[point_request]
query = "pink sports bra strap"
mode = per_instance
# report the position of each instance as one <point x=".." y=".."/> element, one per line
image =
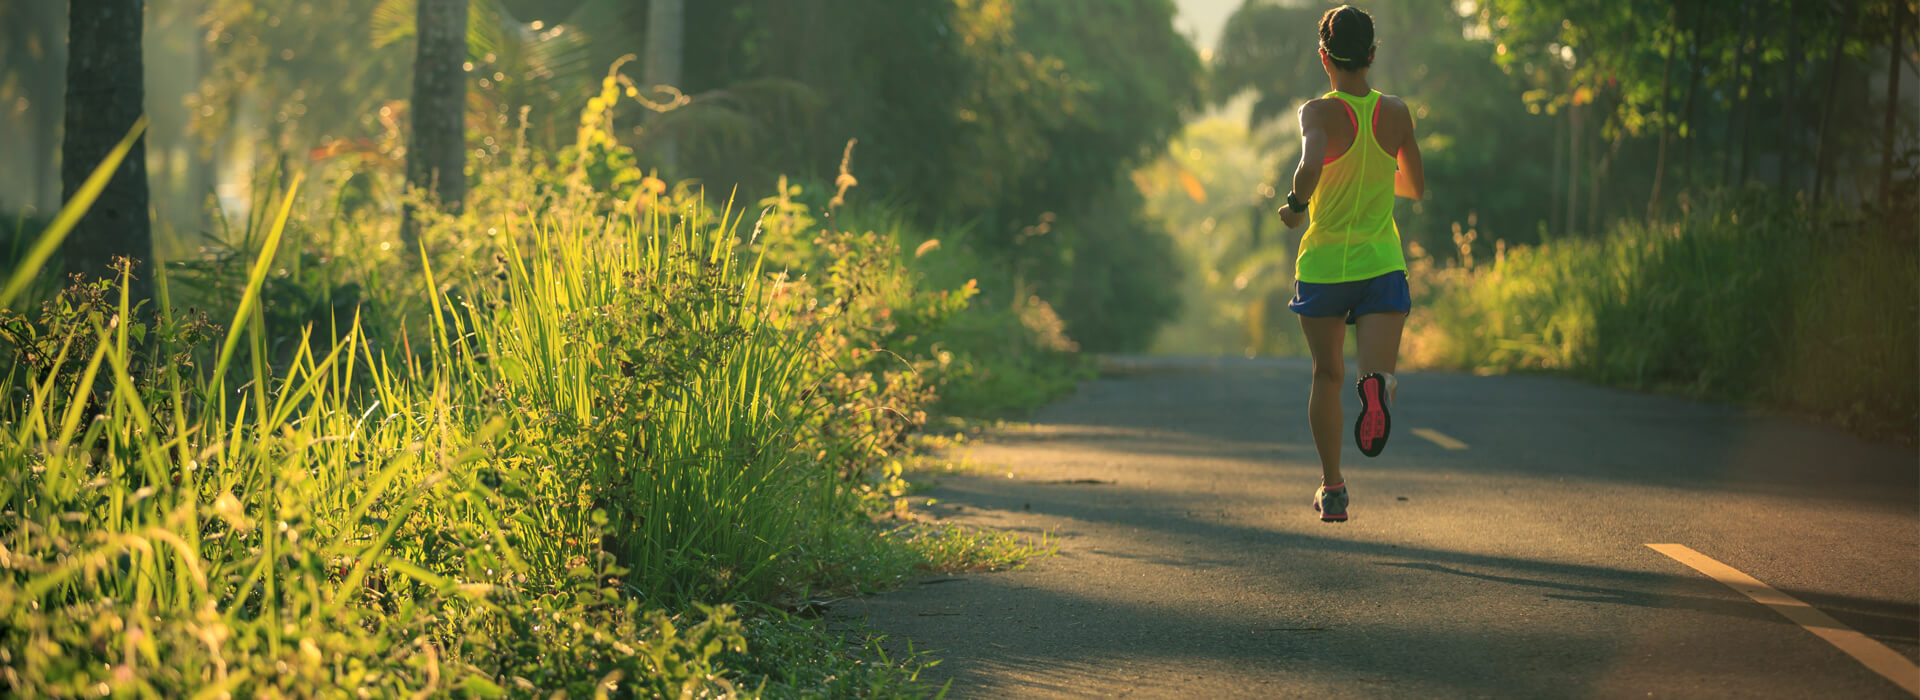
<point x="1356" y="127"/>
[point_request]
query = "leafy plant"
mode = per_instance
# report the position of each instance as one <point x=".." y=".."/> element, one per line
<point x="1750" y="300"/>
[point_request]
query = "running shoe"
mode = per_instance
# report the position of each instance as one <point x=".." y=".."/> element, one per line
<point x="1370" y="431"/>
<point x="1331" y="505"/>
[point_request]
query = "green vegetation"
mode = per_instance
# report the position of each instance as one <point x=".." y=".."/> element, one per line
<point x="1650" y="228"/>
<point x="1749" y="300"/>
<point x="633" y="392"/>
<point x="1016" y="121"/>
<point x="602" y="448"/>
<point x="1235" y="286"/>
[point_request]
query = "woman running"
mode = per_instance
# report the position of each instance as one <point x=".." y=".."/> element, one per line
<point x="1358" y="152"/>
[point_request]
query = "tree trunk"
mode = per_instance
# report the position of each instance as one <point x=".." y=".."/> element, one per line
<point x="1820" y="150"/>
<point x="1893" y="103"/>
<point x="437" y="152"/>
<point x="105" y="96"/>
<point x="1660" y="159"/>
<point x="1574" y="133"/>
<point x="666" y="27"/>
<point x="666" y="30"/>
<point x="1790" y="104"/>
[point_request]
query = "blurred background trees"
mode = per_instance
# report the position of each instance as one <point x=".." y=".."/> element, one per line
<point x="1020" y="120"/>
<point x="1542" y="119"/>
<point x="1562" y="116"/>
<point x="1036" y="126"/>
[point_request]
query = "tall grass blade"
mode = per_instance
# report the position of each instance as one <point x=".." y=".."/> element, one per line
<point x="250" y="297"/>
<point x="69" y="216"/>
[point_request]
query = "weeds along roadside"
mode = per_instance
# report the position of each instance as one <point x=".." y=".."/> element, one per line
<point x="1746" y="299"/>
<point x="540" y="479"/>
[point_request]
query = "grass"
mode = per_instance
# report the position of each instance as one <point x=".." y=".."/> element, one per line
<point x="1750" y="300"/>
<point x="1008" y="354"/>
<point x="610" y="461"/>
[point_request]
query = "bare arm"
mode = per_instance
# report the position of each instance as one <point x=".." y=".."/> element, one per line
<point x="1411" y="179"/>
<point x="1313" y="153"/>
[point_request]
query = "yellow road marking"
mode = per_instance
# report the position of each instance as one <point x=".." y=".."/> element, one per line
<point x="1876" y="656"/>
<point x="1435" y="437"/>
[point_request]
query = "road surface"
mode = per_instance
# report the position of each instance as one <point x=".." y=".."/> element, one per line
<point x="1502" y="550"/>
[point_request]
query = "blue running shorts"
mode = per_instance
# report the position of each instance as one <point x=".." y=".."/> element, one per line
<point x="1384" y="294"/>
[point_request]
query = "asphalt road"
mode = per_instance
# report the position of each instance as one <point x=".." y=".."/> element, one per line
<point x="1192" y="565"/>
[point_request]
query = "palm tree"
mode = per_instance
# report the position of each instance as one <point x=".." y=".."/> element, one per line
<point x="666" y="27"/>
<point x="437" y="150"/>
<point x="105" y="96"/>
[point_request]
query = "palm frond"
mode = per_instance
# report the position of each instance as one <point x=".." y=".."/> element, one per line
<point x="488" y="25"/>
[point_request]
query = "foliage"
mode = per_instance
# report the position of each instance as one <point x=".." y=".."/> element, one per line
<point x="335" y="97"/>
<point x="1270" y="50"/>
<point x="290" y="56"/>
<point x="1007" y="354"/>
<point x="599" y="436"/>
<point x="1540" y="119"/>
<point x="1750" y="300"/>
<point x="1780" y="87"/>
<point x="288" y="545"/>
<point x="795" y="656"/>
<point x="1208" y="191"/>
<point x="1039" y="107"/>
<point x="54" y="347"/>
<point x="17" y="231"/>
<point x="1134" y="78"/>
<point x="1113" y="277"/>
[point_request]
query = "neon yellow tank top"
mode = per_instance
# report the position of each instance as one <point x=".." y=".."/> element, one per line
<point x="1352" y="235"/>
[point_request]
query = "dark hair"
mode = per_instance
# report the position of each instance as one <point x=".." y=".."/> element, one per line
<point x="1346" y="33"/>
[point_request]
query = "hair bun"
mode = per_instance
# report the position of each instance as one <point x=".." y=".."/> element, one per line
<point x="1346" y="34"/>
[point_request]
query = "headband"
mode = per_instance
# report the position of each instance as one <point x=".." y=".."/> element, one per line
<point x="1337" y="57"/>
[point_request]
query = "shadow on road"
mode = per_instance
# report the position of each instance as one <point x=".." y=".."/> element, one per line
<point x="1531" y="425"/>
<point x="1186" y="559"/>
<point x="1885" y="620"/>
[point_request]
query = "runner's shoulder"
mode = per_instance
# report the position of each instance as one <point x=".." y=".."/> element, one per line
<point x="1319" y="108"/>
<point x="1396" y="107"/>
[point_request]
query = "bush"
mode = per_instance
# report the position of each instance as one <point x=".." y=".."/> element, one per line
<point x="1006" y="354"/>
<point x="554" y="459"/>
<point x="1751" y="300"/>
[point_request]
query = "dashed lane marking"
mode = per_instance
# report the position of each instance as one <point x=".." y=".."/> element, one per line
<point x="1876" y="656"/>
<point x="1437" y="438"/>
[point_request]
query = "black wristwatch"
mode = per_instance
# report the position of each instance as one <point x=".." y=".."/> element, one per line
<point x="1295" y="203"/>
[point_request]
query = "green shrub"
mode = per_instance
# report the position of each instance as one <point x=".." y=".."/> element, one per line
<point x="595" y="429"/>
<point x="1005" y="354"/>
<point x="1750" y="300"/>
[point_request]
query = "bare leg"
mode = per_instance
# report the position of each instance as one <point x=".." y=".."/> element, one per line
<point x="1327" y="340"/>
<point x="1380" y="343"/>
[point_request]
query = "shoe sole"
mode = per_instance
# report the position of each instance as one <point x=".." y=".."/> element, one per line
<point x="1370" y="431"/>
